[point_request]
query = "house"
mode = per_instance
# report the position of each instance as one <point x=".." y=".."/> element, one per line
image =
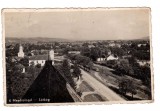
<point x="107" y="58"/>
<point x="139" y="45"/>
<point x="143" y="62"/>
<point x="41" y="59"/>
<point x="74" y="52"/>
<point x="91" y="46"/>
<point x="112" y="44"/>
<point x="38" y="59"/>
<point x="100" y="59"/>
<point x="112" y="57"/>
<point x="126" y="56"/>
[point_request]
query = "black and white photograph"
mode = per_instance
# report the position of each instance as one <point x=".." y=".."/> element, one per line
<point x="77" y="56"/>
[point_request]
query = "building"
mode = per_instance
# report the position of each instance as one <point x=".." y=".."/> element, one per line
<point x="139" y="45"/>
<point x="38" y="59"/>
<point x="107" y="58"/>
<point x="100" y="59"/>
<point x="41" y="59"/>
<point x="74" y="52"/>
<point x="143" y="62"/>
<point x="91" y="46"/>
<point x="112" y="57"/>
<point x="112" y="44"/>
<point x="21" y="53"/>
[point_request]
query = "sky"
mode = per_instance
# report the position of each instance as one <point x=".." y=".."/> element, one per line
<point x="78" y="24"/>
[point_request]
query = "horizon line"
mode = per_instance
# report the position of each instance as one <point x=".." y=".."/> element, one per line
<point x="147" y="37"/>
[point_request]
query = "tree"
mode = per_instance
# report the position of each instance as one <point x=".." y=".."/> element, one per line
<point x="31" y="64"/>
<point x="65" y="50"/>
<point x="123" y="86"/>
<point x="95" y="53"/>
<point x="85" y="44"/>
<point x="105" y="52"/>
<point x="90" y="65"/>
<point x="117" y="51"/>
<point x="29" y="54"/>
<point x="123" y="66"/>
<point x="56" y="44"/>
<point x="111" y="63"/>
<point x="38" y="65"/>
<point x="146" y="75"/>
<point x="85" y="51"/>
<point x="76" y="71"/>
<point x="85" y="61"/>
<point x="131" y="88"/>
<point x="127" y="86"/>
<point x="65" y="68"/>
<point x="24" y="61"/>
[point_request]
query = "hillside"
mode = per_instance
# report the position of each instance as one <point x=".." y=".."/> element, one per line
<point x="35" y="40"/>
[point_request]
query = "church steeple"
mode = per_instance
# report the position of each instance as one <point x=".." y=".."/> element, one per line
<point x="21" y="53"/>
<point x="51" y="55"/>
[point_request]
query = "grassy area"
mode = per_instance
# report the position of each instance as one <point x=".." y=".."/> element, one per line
<point x="93" y="97"/>
<point x="84" y="87"/>
<point x="110" y="79"/>
<point x="127" y="97"/>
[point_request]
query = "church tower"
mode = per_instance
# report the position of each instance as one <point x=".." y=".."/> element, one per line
<point x="51" y="55"/>
<point x="21" y="53"/>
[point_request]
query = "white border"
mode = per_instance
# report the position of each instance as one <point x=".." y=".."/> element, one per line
<point x="154" y="4"/>
<point x="70" y="10"/>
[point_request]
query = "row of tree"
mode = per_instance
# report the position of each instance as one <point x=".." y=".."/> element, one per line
<point x="82" y="61"/>
<point x="65" y="69"/>
<point x="132" y="68"/>
<point x="127" y="86"/>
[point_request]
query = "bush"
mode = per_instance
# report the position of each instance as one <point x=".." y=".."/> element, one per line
<point x="38" y="65"/>
<point x="111" y="63"/>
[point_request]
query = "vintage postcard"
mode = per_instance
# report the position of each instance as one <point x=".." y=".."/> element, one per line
<point x="77" y="56"/>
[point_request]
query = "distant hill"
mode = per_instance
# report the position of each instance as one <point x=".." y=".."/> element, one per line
<point x="146" y="38"/>
<point x="46" y="39"/>
<point x="35" y="40"/>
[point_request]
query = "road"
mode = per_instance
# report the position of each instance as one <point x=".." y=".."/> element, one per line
<point x="101" y="88"/>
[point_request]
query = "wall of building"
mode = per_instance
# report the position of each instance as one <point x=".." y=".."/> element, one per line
<point x="42" y="62"/>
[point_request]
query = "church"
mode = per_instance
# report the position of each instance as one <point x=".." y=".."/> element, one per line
<point x="37" y="59"/>
<point x="21" y="53"/>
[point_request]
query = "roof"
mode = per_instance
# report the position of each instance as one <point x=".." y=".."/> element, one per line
<point x="49" y="84"/>
<point x="112" y="57"/>
<point x="39" y="57"/>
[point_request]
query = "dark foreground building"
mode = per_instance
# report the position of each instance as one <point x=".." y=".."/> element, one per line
<point x="48" y="87"/>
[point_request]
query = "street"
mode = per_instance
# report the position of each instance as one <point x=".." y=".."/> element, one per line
<point x="99" y="87"/>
